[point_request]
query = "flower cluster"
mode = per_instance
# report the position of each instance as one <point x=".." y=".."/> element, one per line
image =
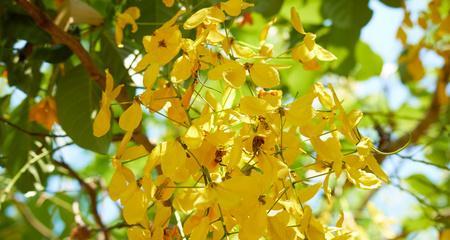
<point x="229" y="173"/>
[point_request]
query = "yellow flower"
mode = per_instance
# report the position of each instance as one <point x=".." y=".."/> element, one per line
<point x="102" y="120"/>
<point x="123" y="19"/>
<point x="308" y="50"/>
<point x="329" y="151"/>
<point x="206" y="16"/>
<point x="182" y="69"/>
<point x="161" y="47"/>
<point x="231" y="71"/>
<point x="177" y="113"/>
<point x="301" y="112"/>
<point x="234" y="7"/>
<point x="296" y="21"/>
<point x="364" y="148"/>
<point x="173" y="161"/>
<point x="123" y="187"/>
<point x="130" y="119"/>
<point x="348" y="122"/>
<point x="157" y="99"/>
<point x="264" y="75"/>
<point x="254" y="106"/>
<point x="138" y="233"/>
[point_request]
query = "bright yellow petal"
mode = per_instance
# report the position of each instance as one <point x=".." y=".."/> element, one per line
<point x="102" y="121"/>
<point x="117" y="185"/>
<point x="134" y="12"/>
<point x="232" y="7"/>
<point x="134" y="152"/>
<point x="301" y="112"/>
<point x="296" y="22"/>
<point x="265" y="31"/>
<point x="177" y="113"/>
<point x="310" y="40"/>
<point x="235" y="76"/>
<point x="373" y="165"/>
<point x="231" y="71"/>
<point x="173" y="161"/>
<point x="201" y="230"/>
<point x="181" y="69"/>
<point x="130" y="119"/>
<point x="242" y="51"/>
<point x="264" y="75"/>
<point x="196" y="19"/>
<point x="150" y="75"/>
<point x="254" y="106"/>
<point x="309" y="192"/>
<point x="135" y="208"/>
<point x="322" y="54"/>
<point x="302" y="53"/>
<point x="138" y="233"/>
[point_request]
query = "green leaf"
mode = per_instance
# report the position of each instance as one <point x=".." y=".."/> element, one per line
<point x="77" y="97"/>
<point x="25" y="28"/>
<point x="439" y="153"/>
<point x="422" y="185"/>
<point x="393" y="3"/>
<point x="347" y="13"/>
<point x="341" y="42"/>
<point x="297" y="79"/>
<point x="416" y="224"/>
<point x="309" y="11"/>
<point x="368" y="63"/>
<point x="249" y="33"/>
<point x="17" y="145"/>
<point x="25" y="74"/>
<point x="53" y="54"/>
<point x="267" y="8"/>
<point x="153" y="14"/>
<point x="112" y="58"/>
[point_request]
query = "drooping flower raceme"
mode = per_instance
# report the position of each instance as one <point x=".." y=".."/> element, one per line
<point x="229" y="171"/>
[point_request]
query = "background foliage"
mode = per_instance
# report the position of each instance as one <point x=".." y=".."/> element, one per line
<point x="51" y="178"/>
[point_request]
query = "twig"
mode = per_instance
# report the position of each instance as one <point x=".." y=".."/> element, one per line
<point x="419" y="199"/>
<point x="33" y="221"/>
<point x="437" y="103"/>
<point x="60" y="36"/>
<point x="17" y="127"/>
<point x="16" y="177"/>
<point x="309" y="178"/>
<point x="91" y="193"/>
<point x="410" y="158"/>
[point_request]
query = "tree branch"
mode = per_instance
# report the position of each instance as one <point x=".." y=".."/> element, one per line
<point x="439" y="101"/>
<point x="92" y="194"/>
<point x="38" y="134"/>
<point x="60" y="36"/>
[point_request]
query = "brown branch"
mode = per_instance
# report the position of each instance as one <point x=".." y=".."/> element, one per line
<point x="92" y="194"/>
<point x="60" y="36"/>
<point x="439" y="101"/>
